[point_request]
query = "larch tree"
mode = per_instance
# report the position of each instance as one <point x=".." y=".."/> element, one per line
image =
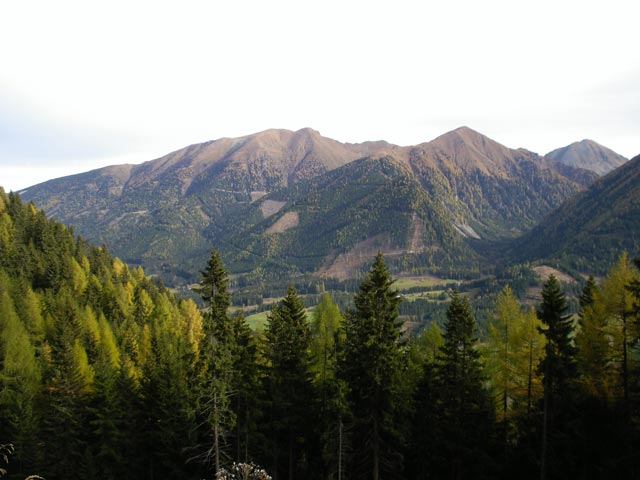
<point x="512" y="352"/>
<point x="327" y="341"/>
<point x="621" y="330"/>
<point x="20" y="377"/>
<point x="594" y="346"/>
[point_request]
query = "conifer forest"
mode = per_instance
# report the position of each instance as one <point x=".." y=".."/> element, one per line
<point x="107" y="374"/>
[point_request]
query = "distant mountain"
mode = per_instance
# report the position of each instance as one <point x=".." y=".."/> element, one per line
<point x="497" y="191"/>
<point x="281" y="202"/>
<point x="589" y="155"/>
<point x="589" y="231"/>
<point x="333" y="224"/>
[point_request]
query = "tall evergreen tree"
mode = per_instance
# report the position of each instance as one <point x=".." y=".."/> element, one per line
<point x="559" y="369"/>
<point x="247" y="391"/>
<point x="372" y="368"/>
<point x="465" y="408"/>
<point x="559" y="363"/>
<point x="290" y="388"/>
<point x="424" y="436"/>
<point x="218" y="352"/>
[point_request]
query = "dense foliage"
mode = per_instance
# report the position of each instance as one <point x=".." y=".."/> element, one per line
<point x="97" y="362"/>
<point x="106" y="374"/>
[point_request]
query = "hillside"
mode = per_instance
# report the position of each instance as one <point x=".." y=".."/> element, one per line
<point x="93" y="357"/>
<point x="334" y="224"/>
<point x="489" y="190"/>
<point x="301" y="202"/>
<point x="588" y="232"/>
<point x="589" y="155"/>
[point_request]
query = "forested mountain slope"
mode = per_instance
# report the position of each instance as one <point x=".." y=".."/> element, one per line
<point x="95" y="360"/>
<point x="167" y="214"/>
<point x="104" y="374"/>
<point x="333" y="224"/>
<point x="589" y="231"/>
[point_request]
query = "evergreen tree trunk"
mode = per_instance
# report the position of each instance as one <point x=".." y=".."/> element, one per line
<point x="216" y="436"/>
<point x="545" y="423"/>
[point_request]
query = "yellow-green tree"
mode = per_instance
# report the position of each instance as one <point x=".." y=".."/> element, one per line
<point x="606" y="333"/>
<point x="326" y="342"/>
<point x="512" y="353"/>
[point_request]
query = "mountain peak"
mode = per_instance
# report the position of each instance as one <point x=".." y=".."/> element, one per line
<point x="461" y="132"/>
<point x="308" y="131"/>
<point x="469" y="150"/>
<point x="589" y="155"/>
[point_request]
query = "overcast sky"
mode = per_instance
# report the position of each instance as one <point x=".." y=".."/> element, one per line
<point x="86" y="84"/>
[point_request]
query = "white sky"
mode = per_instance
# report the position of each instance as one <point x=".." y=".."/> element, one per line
<point x="87" y="83"/>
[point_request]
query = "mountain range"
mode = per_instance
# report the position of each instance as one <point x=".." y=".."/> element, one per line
<point x="280" y="203"/>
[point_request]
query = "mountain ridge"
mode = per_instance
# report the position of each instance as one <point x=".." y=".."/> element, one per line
<point x="166" y="214"/>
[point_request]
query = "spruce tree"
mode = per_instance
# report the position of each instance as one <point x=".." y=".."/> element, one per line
<point x="423" y="432"/>
<point x="218" y="351"/>
<point x="247" y="391"/>
<point x="559" y="369"/>
<point x="290" y="388"/>
<point x="466" y="413"/>
<point x="559" y="363"/>
<point x="372" y="368"/>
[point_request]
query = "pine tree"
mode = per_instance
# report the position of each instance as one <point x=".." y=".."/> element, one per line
<point x="372" y="368"/>
<point x="289" y="386"/>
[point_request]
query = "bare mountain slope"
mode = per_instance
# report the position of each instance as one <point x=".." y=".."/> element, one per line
<point x="589" y="155"/>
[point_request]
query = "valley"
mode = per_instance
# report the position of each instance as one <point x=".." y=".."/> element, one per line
<point x="295" y="207"/>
